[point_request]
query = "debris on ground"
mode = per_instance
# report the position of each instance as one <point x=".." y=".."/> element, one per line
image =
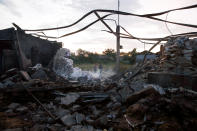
<point x="40" y="98"/>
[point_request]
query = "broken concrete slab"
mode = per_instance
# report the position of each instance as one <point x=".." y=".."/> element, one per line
<point x="75" y="108"/>
<point x="69" y="99"/>
<point x="8" y="83"/>
<point x="21" y="109"/>
<point x="68" y="120"/>
<point x="102" y="121"/>
<point x="141" y="94"/>
<point x="82" y="128"/>
<point x="93" y="97"/>
<point x="60" y="112"/>
<point x="157" y="88"/>
<point x="79" y="117"/>
<point x="167" y="79"/>
<point x="95" y="111"/>
<point x="125" y="93"/>
<point x="9" y="111"/>
<point x="40" y="74"/>
<point x="1" y="85"/>
<point x="13" y="105"/>
<point x="89" y="120"/>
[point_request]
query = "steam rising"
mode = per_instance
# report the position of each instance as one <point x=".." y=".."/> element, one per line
<point x="63" y="66"/>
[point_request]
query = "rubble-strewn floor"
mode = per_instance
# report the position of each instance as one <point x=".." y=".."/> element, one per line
<point x="89" y="108"/>
<point x="47" y="102"/>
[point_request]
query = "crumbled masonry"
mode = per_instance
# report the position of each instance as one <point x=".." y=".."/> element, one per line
<point x="41" y="98"/>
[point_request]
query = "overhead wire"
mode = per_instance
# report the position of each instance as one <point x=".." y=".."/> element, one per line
<point x="191" y="34"/>
<point x="167" y="25"/>
<point x="150" y="16"/>
<point x="74" y="32"/>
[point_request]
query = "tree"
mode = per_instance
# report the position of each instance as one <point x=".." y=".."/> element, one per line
<point x="84" y="56"/>
<point x="81" y="52"/>
<point x="109" y="52"/>
<point x="132" y="55"/>
<point x="133" y="52"/>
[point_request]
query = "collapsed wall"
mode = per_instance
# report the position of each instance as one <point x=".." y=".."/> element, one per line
<point x="21" y="50"/>
<point x="180" y="55"/>
<point x="36" y="49"/>
<point x="177" y="66"/>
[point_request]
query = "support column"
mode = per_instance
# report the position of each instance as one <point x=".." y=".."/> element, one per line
<point x="117" y="48"/>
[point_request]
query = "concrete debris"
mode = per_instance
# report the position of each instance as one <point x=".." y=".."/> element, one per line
<point x="13" y="105"/>
<point x="69" y="99"/>
<point x="16" y="129"/>
<point x="158" y="95"/>
<point x="79" y="117"/>
<point x="179" y="57"/>
<point x="156" y="87"/>
<point x="142" y="94"/>
<point x="93" y="97"/>
<point x="95" y="111"/>
<point x="102" y="121"/>
<point x="22" y="109"/>
<point x="82" y="128"/>
<point x="68" y="120"/>
<point x="168" y="79"/>
<point x="25" y="75"/>
<point x="39" y="74"/>
<point x="8" y="83"/>
<point x="61" y="112"/>
<point x="37" y="67"/>
<point x="1" y="85"/>
<point x="125" y="93"/>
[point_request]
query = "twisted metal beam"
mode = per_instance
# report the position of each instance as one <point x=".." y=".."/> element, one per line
<point x="150" y="16"/>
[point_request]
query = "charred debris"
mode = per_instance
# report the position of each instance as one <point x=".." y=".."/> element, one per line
<point x="158" y="94"/>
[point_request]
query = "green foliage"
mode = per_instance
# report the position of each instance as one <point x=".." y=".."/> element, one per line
<point x="108" y="56"/>
<point x="85" y="57"/>
<point x="129" y="58"/>
<point x="110" y="53"/>
<point x="132" y="55"/>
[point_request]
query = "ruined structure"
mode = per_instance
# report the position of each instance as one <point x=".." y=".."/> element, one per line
<point x="155" y="95"/>
<point x="18" y="49"/>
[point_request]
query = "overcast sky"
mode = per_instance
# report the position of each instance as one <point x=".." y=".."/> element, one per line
<point x="33" y="14"/>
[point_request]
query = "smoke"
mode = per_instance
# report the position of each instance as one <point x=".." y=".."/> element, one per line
<point x="63" y="66"/>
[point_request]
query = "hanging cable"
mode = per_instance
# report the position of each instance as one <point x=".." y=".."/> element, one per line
<point x="150" y="16"/>
<point x="167" y="25"/>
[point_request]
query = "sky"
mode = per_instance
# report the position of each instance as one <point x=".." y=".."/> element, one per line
<point x="35" y="14"/>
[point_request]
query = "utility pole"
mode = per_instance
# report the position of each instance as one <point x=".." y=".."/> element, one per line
<point x="118" y="42"/>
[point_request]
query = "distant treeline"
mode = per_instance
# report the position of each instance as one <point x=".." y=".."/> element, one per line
<point x="107" y="56"/>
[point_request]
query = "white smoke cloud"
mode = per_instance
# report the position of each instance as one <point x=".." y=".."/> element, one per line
<point x="63" y="66"/>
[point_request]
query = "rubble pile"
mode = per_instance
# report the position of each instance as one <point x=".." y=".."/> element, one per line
<point x="111" y="108"/>
<point x="180" y="55"/>
<point x="43" y="99"/>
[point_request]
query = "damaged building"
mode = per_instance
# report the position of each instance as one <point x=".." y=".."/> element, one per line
<point x="21" y="50"/>
<point x="158" y="94"/>
<point x="135" y="100"/>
